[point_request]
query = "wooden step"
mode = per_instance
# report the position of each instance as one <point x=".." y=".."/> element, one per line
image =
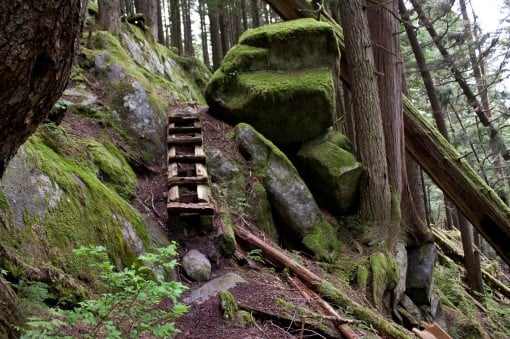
<point x="187" y="158"/>
<point x="187" y="180"/>
<point x="200" y="208"/>
<point x="185" y="129"/>
<point x="184" y="140"/>
<point x="187" y="118"/>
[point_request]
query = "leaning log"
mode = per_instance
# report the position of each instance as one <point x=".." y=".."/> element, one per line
<point x="477" y="201"/>
<point x="323" y="287"/>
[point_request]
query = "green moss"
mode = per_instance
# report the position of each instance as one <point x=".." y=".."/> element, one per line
<point x="228" y="305"/>
<point x="261" y="209"/>
<point x="362" y="277"/>
<point x="245" y="319"/>
<point x="226" y="243"/>
<point x="322" y="240"/>
<point x="384" y="276"/>
<point x="88" y="212"/>
<point x="113" y="168"/>
<point x="4" y="204"/>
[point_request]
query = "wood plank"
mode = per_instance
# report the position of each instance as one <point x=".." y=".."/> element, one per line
<point x="185" y="129"/>
<point x="201" y="170"/>
<point x="172" y="170"/>
<point x="184" y="140"/>
<point x="187" y="118"/>
<point x="187" y="158"/>
<point x="175" y="180"/>
<point x="200" y="208"/>
<point x="173" y="194"/>
<point x="199" y="151"/>
<point x="203" y="193"/>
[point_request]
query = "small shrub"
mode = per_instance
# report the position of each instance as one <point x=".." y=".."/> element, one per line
<point x="129" y="306"/>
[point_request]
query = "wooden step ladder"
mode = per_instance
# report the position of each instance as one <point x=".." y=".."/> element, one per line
<point x="188" y="183"/>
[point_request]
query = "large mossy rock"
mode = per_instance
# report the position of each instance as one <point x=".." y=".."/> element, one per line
<point x="279" y="79"/>
<point x="331" y="171"/>
<point x="290" y="198"/>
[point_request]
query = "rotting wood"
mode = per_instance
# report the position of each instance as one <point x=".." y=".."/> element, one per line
<point x="175" y="180"/>
<point x="200" y="208"/>
<point x="341" y="323"/>
<point x="479" y="203"/>
<point x="313" y="281"/>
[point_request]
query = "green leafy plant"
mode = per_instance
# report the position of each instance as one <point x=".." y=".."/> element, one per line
<point x="128" y="307"/>
<point x="256" y="255"/>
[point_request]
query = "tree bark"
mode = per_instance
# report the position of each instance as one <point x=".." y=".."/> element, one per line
<point x="375" y="206"/>
<point x="214" y="19"/>
<point x="150" y="9"/>
<point x="38" y="40"/>
<point x="161" y="34"/>
<point x="202" y="11"/>
<point x="255" y="13"/>
<point x="109" y="15"/>
<point x="175" y="29"/>
<point x="188" y="34"/>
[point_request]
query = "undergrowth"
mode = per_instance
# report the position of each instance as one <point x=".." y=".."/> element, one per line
<point x="127" y="308"/>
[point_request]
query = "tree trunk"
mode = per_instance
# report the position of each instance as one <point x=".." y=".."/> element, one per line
<point x="109" y="15"/>
<point x="385" y="39"/>
<point x="255" y="13"/>
<point x="188" y="34"/>
<point x="175" y="28"/>
<point x="161" y="34"/>
<point x="38" y="40"/>
<point x="214" y="19"/>
<point x="224" y="30"/>
<point x="375" y="207"/>
<point x="9" y="314"/>
<point x="202" y="11"/>
<point x="150" y="9"/>
<point x="473" y="271"/>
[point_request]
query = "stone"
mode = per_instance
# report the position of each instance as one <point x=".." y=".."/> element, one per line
<point x="196" y="266"/>
<point x="290" y="198"/>
<point x="332" y="172"/>
<point x="279" y="78"/>
<point x="420" y="273"/>
<point x="213" y="287"/>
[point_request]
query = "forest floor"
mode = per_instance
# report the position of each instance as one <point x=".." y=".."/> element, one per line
<point x="264" y="284"/>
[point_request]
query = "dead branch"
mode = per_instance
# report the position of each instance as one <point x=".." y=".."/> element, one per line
<point x="315" y="282"/>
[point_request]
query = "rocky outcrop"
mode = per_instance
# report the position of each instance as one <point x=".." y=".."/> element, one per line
<point x="280" y="80"/>
<point x="290" y="198"/>
<point x="331" y="171"/>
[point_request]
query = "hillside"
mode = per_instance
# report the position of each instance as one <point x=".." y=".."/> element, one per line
<point x="96" y="174"/>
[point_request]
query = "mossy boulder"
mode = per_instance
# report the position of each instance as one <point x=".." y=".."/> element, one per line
<point x="331" y="171"/>
<point x="280" y="80"/>
<point x="289" y="196"/>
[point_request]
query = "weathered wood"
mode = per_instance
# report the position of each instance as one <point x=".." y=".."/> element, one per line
<point x="175" y="180"/>
<point x="201" y="170"/>
<point x="196" y="128"/>
<point x="173" y="194"/>
<point x="199" y="151"/>
<point x="173" y="171"/>
<point x="479" y="203"/>
<point x="200" y="208"/>
<point x="203" y="193"/>
<point x="187" y="158"/>
<point x="184" y="140"/>
<point x="183" y="119"/>
<point x="313" y="281"/>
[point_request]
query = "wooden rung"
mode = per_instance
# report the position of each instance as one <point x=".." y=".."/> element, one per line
<point x="173" y="170"/>
<point x="183" y="118"/>
<point x="187" y="158"/>
<point x="201" y="170"/>
<point x="185" y="129"/>
<point x="199" y="151"/>
<point x="175" y="180"/>
<point x="173" y="194"/>
<point x="184" y="140"/>
<point x="172" y="152"/>
<point x="201" y="208"/>
<point x="203" y="193"/>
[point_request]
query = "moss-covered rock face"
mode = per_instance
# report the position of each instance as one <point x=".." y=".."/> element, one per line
<point x="331" y="172"/>
<point x="290" y="199"/>
<point x="279" y="79"/>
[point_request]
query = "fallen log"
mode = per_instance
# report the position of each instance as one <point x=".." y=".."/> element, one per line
<point x="477" y="201"/>
<point x="313" y="281"/>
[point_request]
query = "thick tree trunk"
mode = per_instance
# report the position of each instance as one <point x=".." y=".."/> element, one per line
<point x="202" y="12"/>
<point x="255" y="13"/>
<point x="214" y="19"/>
<point x="109" y="15"/>
<point x="375" y="207"/>
<point x="175" y="28"/>
<point x="161" y="34"/>
<point x="188" y="34"/>
<point x="38" y="40"/>
<point x="150" y="9"/>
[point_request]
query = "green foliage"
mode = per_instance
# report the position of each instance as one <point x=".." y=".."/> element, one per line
<point x="128" y="307"/>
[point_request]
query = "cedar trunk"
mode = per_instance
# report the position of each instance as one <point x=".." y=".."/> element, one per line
<point x="38" y="40"/>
